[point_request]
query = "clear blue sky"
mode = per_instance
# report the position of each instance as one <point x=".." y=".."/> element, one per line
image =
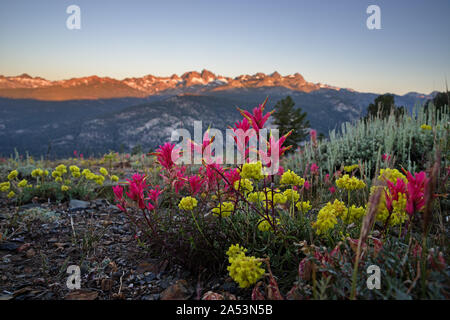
<point x="326" y="41"/>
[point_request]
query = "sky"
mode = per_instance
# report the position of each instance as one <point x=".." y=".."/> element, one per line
<point x="326" y="41"/>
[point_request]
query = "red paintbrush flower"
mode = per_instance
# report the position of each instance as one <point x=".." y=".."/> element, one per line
<point x="394" y="190"/>
<point x="136" y="187"/>
<point x="257" y="119"/>
<point x="415" y="192"/>
<point x="195" y="183"/>
<point x="275" y="149"/>
<point x="167" y="155"/>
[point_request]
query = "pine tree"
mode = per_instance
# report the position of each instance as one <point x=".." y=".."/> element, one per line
<point x="287" y="117"/>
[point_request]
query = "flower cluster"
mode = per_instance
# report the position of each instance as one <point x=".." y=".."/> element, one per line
<point x="252" y="171"/>
<point x="351" y="168"/>
<point x="291" y="195"/>
<point x="187" y="203"/>
<point x="243" y="269"/>
<point x="327" y="217"/>
<point x="244" y="185"/>
<point x="425" y="127"/>
<point x="304" y="206"/>
<point x="264" y="225"/>
<point x="391" y="175"/>
<point x="224" y="209"/>
<point x="291" y="178"/>
<point x="350" y="183"/>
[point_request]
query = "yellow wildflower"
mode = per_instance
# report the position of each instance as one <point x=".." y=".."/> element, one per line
<point x="11" y="194"/>
<point x="234" y="250"/>
<point x="391" y="175"/>
<point x="304" y="206"/>
<point x="61" y="169"/>
<point x="224" y="209"/>
<point x="264" y="225"/>
<point x="244" y="185"/>
<point x="243" y="269"/>
<point x="13" y="174"/>
<point x="291" y="178"/>
<point x="291" y="195"/>
<point x="5" y="186"/>
<point x="188" y="203"/>
<point x="252" y="171"/>
<point x="353" y="183"/>
<point x="103" y="171"/>
<point x="351" y="168"/>
<point x="23" y="183"/>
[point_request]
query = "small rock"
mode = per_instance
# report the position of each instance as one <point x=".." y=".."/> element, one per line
<point x="9" y="246"/>
<point x="178" y="291"/>
<point x="78" y="205"/>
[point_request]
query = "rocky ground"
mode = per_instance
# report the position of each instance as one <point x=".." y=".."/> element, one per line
<point x="38" y="242"/>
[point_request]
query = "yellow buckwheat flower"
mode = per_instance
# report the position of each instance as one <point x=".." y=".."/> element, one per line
<point x="244" y="184"/>
<point x="188" y="203"/>
<point x="391" y="175"/>
<point x="252" y="171"/>
<point x="264" y="225"/>
<point x="5" y="186"/>
<point x="56" y="174"/>
<point x="291" y="178"/>
<point x="425" y="127"/>
<point x="291" y="195"/>
<point x="225" y="209"/>
<point x="37" y="173"/>
<point x="351" y="168"/>
<point x="304" y="206"/>
<point x="13" y="174"/>
<point x="103" y="171"/>
<point x="243" y="269"/>
<point x="11" y="194"/>
<point x="255" y="197"/>
<point x="356" y="213"/>
<point x="64" y="188"/>
<point x="61" y="169"/>
<point x="114" y="178"/>
<point x="22" y="184"/>
<point x="278" y="197"/>
<point x="234" y="250"/>
<point x="74" y="169"/>
<point x="353" y="183"/>
<point x="99" y="179"/>
<point x="327" y="217"/>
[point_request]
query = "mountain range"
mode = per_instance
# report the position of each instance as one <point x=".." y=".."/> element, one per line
<point x="96" y="114"/>
<point x="94" y="87"/>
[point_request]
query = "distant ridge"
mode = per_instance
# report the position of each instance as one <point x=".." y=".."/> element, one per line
<point x="94" y="87"/>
